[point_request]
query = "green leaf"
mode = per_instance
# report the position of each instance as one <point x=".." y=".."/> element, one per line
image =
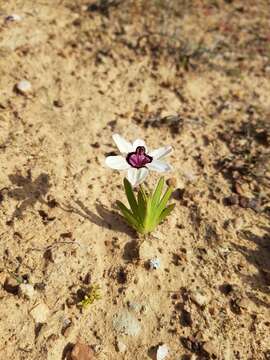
<point x="128" y="215"/>
<point x="142" y="204"/>
<point x="146" y="210"/>
<point x="144" y="195"/>
<point x="166" y="212"/>
<point x="157" y="194"/>
<point x="164" y="200"/>
<point x="131" y="199"/>
<point x="148" y="220"/>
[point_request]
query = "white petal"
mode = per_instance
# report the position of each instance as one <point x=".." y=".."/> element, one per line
<point x="117" y="162"/>
<point x="123" y="145"/>
<point x="139" y="142"/>
<point x="159" y="166"/>
<point x="136" y="176"/>
<point x="161" y="152"/>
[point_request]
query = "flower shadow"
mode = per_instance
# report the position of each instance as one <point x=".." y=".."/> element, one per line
<point x="260" y="258"/>
<point x="104" y="217"/>
<point x="28" y="191"/>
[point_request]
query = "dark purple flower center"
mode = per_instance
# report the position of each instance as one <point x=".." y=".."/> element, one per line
<point x="138" y="158"/>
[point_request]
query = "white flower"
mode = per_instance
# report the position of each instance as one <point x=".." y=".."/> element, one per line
<point x="136" y="159"/>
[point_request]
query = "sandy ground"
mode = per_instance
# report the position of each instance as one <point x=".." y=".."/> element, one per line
<point x="193" y="74"/>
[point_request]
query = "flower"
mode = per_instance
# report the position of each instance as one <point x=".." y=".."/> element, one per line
<point x="136" y="159"/>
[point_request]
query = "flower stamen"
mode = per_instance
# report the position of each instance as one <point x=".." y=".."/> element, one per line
<point x="138" y="159"/>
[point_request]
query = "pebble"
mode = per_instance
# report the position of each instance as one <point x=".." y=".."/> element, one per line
<point x="13" y="17"/>
<point x="11" y="285"/>
<point x="231" y="200"/>
<point x="199" y="298"/>
<point x="27" y="291"/>
<point x="154" y="264"/>
<point x="126" y="323"/>
<point x="24" y="86"/>
<point x="162" y="352"/>
<point x="40" y="313"/>
<point x="67" y="327"/>
<point x="178" y="194"/>
<point x="82" y="352"/>
<point x="120" y="346"/>
<point x="58" y="103"/>
<point x="238" y="223"/>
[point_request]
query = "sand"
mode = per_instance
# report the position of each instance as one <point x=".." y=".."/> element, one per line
<point x="191" y="74"/>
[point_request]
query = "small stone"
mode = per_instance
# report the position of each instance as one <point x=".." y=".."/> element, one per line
<point x="87" y="279"/>
<point x="82" y="352"/>
<point x="226" y="288"/>
<point x="66" y="328"/>
<point x="27" y="291"/>
<point x="40" y="286"/>
<point x="24" y="87"/>
<point x="162" y="352"/>
<point x="120" y="346"/>
<point x="58" y="103"/>
<point x="244" y="202"/>
<point x="77" y="22"/>
<point x="254" y="204"/>
<point x="95" y="145"/>
<point x="199" y="298"/>
<point x="231" y="200"/>
<point x="238" y="223"/>
<point x="154" y="264"/>
<point x="13" y="17"/>
<point x="40" y="313"/>
<point x="178" y="194"/>
<point x="185" y="318"/>
<point x="126" y="323"/>
<point x="239" y="188"/>
<point x="11" y="285"/>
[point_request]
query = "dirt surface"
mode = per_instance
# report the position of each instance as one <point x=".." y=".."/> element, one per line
<point x="192" y="74"/>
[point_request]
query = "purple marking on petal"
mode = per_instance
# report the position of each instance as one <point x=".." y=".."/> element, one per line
<point x="139" y="158"/>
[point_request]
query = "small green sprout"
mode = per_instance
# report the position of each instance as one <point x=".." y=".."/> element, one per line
<point x="148" y="210"/>
<point x="18" y="278"/>
<point x="93" y="295"/>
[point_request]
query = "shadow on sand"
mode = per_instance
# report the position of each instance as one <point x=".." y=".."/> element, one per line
<point x="260" y="258"/>
<point x="104" y="217"/>
<point x="28" y="191"/>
